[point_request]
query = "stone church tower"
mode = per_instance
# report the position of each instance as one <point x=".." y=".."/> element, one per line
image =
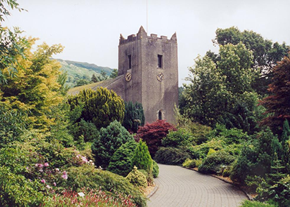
<point x="147" y="74"/>
<point x="150" y="70"/>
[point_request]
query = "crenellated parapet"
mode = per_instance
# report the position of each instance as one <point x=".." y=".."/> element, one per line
<point x="142" y="34"/>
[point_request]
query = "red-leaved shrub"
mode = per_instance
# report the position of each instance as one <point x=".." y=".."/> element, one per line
<point x="153" y="133"/>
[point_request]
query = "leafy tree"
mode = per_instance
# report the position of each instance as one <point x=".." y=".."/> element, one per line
<point x="265" y="52"/>
<point x="240" y="117"/>
<point x="278" y="103"/>
<point x="216" y="88"/>
<point x="114" y="74"/>
<point x="100" y="107"/>
<point x="121" y="161"/>
<point x="94" y="78"/>
<point x="81" y="82"/>
<point x="11" y="44"/>
<point x="61" y="81"/>
<point x="141" y="158"/>
<point x="110" y="139"/>
<point x="35" y="88"/>
<point x="153" y="133"/>
<point x="134" y="116"/>
<point x="104" y="75"/>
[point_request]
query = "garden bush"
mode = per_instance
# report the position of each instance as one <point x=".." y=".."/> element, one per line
<point x="17" y="190"/>
<point x="12" y="124"/>
<point x="216" y="162"/>
<point x="86" y="129"/>
<point x="149" y="178"/>
<point x="88" y="198"/>
<point x="255" y="158"/>
<point x="171" y="156"/>
<point x="277" y="192"/>
<point x="198" y="130"/>
<point x="177" y="138"/>
<point x="153" y="133"/>
<point x="137" y="178"/>
<point x="90" y="177"/>
<point x="188" y="163"/>
<point x="100" y="107"/>
<point x="121" y="161"/>
<point x="201" y="151"/>
<point x="141" y="158"/>
<point x="110" y="139"/>
<point x="155" y="170"/>
<point x="230" y="136"/>
<point x="134" y="116"/>
<point x="248" y="203"/>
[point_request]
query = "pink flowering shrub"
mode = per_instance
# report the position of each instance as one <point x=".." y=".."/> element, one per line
<point x="88" y="197"/>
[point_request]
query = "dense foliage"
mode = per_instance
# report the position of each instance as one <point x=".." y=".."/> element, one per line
<point x="121" y="162"/>
<point x="170" y="156"/>
<point x="108" y="142"/>
<point x="45" y="143"/>
<point x="137" y="178"/>
<point x="134" y="116"/>
<point x="266" y="53"/>
<point x="278" y="103"/>
<point x="100" y="107"/>
<point x="141" y="158"/>
<point x="153" y="133"/>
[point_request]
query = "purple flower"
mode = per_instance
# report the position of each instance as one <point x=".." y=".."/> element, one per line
<point x="47" y="186"/>
<point x="54" y="183"/>
<point x="46" y="164"/>
<point x="64" y="175"/>
<point x="43" y="181"/>
<point x="40" y="165"/>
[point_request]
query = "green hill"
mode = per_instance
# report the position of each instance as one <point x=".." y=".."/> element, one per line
<point x="81" y="70"/>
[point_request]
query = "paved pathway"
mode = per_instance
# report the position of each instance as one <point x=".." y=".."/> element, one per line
<point x="180" y="187"/>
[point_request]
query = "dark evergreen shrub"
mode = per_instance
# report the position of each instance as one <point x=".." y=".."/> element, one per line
<point x="255" y="158"/>
<point x="121" y="161"/>
<point x="100" y="107"/>
<point x="110" y="139"/>
<point x="171" y="156"/>
<point x="141" y="158"/>
<point x="86" y="129"/>
<point x="134" y="116"/>
<point x="155" y="170"/>
<point x="216" y="162"/>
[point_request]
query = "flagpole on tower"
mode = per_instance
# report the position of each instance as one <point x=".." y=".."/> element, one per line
<point x="147" y="16"/>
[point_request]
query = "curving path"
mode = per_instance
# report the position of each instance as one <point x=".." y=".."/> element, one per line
<point x="180" y="187"/>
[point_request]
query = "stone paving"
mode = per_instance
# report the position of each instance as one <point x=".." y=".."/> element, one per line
<point x="180" y="187"/>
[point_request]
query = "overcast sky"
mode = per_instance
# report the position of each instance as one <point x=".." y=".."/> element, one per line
<point x="90" y="29"/>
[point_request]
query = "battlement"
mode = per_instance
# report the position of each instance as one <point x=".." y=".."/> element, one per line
<point x="142" y="34"/>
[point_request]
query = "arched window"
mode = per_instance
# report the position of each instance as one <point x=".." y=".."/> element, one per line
<point x="160" y="115"/>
